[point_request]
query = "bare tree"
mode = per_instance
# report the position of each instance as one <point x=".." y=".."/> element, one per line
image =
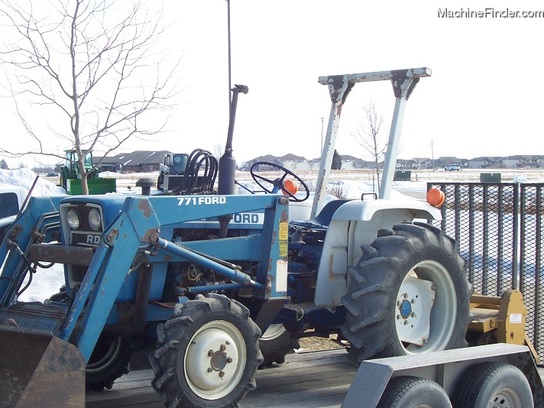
<point x="368" y="135"/>
<point x="84" y="74"/>
<point x="217" y="150"/>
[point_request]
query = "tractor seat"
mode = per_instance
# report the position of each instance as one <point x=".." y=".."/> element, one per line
<point x="325" y="215"/>
<point x="323" y="219"/>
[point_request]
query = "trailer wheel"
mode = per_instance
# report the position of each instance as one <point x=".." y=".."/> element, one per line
<point x="109" y="361"/>
<point x="207" y="354"/>
<point x="412" y="392"/>
<point x="275" y="344"/>
<point x="493" y="385"/>
<point x="408" y="294"/>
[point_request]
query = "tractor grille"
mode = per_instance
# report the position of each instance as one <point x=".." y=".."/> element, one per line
<point x="87" y="233"/>
<point x="84" y="235"/>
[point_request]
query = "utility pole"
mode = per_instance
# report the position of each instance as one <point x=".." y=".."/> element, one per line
<point x="229" y="56"/>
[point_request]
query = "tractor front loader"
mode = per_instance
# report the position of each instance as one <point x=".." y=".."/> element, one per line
<point x="128" y="284"/>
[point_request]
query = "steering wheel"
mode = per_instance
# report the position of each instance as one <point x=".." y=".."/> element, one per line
<point x="273" y="186"/>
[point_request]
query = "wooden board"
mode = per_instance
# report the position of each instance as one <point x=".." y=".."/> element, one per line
<point x="318" y="379"/>
<point x="305" y="380"/>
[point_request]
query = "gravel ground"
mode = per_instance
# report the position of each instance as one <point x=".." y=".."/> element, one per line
<point x="315" y="343"/>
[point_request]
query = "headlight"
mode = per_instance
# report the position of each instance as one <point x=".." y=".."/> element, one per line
<point x="72" y="217"/>
<point x="94" y="219"/>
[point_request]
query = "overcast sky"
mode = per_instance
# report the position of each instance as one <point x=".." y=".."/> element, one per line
<point x="483" y="98"/>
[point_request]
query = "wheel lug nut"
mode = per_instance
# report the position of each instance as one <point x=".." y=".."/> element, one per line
<point x="221" y="374"/>
<point x="210" y="369"/>
<point x="222" y="347"/>
<point x="210" y="353"/>
<point x="229" y="360"/>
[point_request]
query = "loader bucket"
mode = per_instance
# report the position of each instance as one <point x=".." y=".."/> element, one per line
<point x="38" y="369"/>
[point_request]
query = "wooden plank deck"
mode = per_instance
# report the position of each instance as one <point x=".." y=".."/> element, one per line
<point x="318" y="379"/>
<point x="305" y="380"/>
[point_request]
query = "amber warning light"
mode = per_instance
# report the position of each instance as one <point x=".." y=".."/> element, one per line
<point x="435" y="197"/>
<point x="289" y="187"/>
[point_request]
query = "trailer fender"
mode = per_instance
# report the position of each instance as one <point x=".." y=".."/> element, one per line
<point x="443" y="367"/>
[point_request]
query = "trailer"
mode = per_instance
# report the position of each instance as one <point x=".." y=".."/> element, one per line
<point x="307" y="379"/>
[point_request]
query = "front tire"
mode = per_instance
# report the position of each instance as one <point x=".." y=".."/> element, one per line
<point x="207" y="355"/>
<point x="408" y="294"/>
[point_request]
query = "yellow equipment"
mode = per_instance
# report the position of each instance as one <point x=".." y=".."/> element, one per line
<point x="499" y="320"/>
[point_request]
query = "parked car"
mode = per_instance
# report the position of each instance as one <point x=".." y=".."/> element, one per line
<point x="453" y="167"/>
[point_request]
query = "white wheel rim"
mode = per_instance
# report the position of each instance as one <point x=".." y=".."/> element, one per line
<point x="215" y="360"/>
<point x="505" y="397"/>
<point x="273" y="332"/>
<point x="426" y="308"/>
<point x="413" y="320"/>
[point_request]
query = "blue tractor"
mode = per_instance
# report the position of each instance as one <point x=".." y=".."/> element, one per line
<point x="221" y="284"/>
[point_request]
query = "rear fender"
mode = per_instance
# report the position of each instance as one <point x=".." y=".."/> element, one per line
<point x="407" y="210"/>
<point x="356" y="223"/>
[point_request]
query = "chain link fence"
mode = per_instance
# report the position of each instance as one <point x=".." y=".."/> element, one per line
<point x="499" y="229"/>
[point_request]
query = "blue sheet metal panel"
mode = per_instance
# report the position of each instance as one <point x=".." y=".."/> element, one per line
<point x="246" y="247"/>
<point x="171" y="210"/>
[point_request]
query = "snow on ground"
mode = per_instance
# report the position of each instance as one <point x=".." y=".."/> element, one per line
<point x="25" y="178"/>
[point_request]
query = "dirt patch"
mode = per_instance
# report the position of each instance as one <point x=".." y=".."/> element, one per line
<point x="318" y="343"/>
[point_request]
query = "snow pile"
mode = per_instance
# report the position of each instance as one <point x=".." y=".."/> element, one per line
<point x="25" y="178"/>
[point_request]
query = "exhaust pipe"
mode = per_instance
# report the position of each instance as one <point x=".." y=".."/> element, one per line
<point x="227" y="163"/>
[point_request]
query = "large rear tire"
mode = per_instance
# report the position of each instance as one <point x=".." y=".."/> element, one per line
<point x="408" y="294"/>
<point x="207" y="355"/>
